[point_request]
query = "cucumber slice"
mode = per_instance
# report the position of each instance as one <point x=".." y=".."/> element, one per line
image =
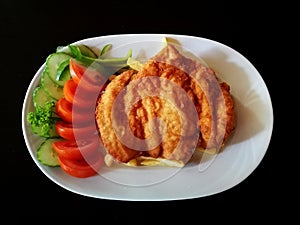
<point x="46" y="154"/>
<point x="52" y="89"/>
<point x="61" y="68"/>
<point x="38" y="131"/>
<point x="53" y="63"/>
<point x="40" y="97"/>
<point x="66" y="73"/>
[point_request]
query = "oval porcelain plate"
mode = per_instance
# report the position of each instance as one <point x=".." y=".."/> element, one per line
<point x="241" y="155"/>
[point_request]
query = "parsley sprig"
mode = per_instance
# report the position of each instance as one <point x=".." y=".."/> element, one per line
<point x="43" y="117"/>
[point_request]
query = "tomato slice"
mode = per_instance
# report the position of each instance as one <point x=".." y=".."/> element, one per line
<point x="78" y="96"/>
<point x="76" y="70"/>
<point x="76" y="149"/>
<point x="68" y="131"/>
<point x="86" y="77"/>
<point x="81" y="168"/>
<point x="65" y="110"/>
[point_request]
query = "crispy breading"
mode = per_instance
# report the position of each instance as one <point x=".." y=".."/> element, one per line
<point x="105" y="119"/>
<point x="212" y="98"/>
<point x="165" y="110"/>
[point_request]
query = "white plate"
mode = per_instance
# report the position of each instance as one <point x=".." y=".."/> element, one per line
<point x="241" y="156"/>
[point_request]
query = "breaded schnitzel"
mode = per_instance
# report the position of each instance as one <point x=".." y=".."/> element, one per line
<point x="170" y="107"/>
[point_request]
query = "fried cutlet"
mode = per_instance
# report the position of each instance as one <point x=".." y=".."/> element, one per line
<point x="167" y="109"/>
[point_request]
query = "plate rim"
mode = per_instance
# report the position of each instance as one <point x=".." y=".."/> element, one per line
<point x="89" y="39"/>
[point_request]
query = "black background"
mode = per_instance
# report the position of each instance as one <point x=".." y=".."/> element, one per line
<point x="30" y="31"/>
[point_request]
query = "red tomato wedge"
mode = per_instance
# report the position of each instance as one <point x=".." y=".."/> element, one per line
<point x="76" y="149"/>
<point x="86" y="77"/>
<point x="63" y="109"/>
<point x="80" y="97"/>
<point x="68" y="131"/>
<point x="81" y="168"/>
<point x="68" y="113"/>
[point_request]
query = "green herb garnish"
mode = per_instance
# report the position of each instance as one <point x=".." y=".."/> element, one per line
<point x="43" y="118"/>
